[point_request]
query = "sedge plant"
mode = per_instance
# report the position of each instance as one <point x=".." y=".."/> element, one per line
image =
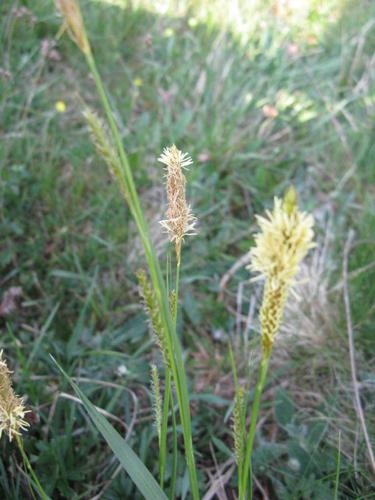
<point x="179" y="223"/>
<point x="285" y="237"/>
<point x="110" y="146"/>
<point x="283" y="241"/>
<point x="13" y="421"/>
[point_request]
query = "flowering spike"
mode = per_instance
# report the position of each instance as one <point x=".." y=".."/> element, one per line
<point x="71" y="13"/>
<point x="238" y="425"/>
<point x="12" y="410"/>
<point x="152" y="311"/>
<point x="105" y="148"/>
<point x="290" y="202"/>
<point x="155" y="385"/>
<point x="180" y="221"/>
<point x="284" y="240"/>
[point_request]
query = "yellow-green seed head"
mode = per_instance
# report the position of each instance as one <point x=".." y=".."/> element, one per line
<point x="290" y="202"/>
<point x="105" y="148"/>
<point x="271" y="313"/>
<point x="155" y="385"/>
<point x="283" y="241"/>
<point x="71" y="13"/>
<point x="12" y="410"/>
<point x="152" y="311"/>
<point x="238" y="422"/>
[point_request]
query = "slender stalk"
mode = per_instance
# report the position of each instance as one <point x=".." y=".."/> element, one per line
<point x="164" y="431"/>
<point x="168" y="398"/>
<point x="338" y="463"/>
<point x="233" y="366"/>
<point x="177" y="364"/>
<point x="174" y="428"/>
<point x="31" y="471"/>
<point x="174" y="452"/>
<point x="353" y="367"/>
<point x="168" y="401"/>
<point x="177" y="286"/>
<point x="250" y="438"/>
<point x="134" y="203"/>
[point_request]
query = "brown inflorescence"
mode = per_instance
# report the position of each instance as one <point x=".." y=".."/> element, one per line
<point x="180" y="221"/>
<point x="73" y="19"/>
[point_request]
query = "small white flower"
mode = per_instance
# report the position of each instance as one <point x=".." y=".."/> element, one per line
<point x="122" y="371"/>
<point x="294" y="464"/>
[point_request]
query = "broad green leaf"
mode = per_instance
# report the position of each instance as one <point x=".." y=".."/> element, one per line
<point x="139" y="474"/>
<point x="267" y="453"/>
<point x="284" y="409"/>
<point x="220" y="445"/>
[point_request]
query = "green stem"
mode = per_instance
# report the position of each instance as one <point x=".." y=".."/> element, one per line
<point x="337" y="481"/>
<point x="168" y="401"/>
<point x="174" y="347"/>
<point x="250" y="438"/>
<point x="178" y="265"/>
<point x="30" y="469"/>
<point x="174" y="452"/>
<point x="174" y="426"/>
<point x="134" y="203"/>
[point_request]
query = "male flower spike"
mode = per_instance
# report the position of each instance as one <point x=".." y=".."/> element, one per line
<point x="180" y="221"/>
<point x="283" y="241"/>
<point x="12" y="410"/>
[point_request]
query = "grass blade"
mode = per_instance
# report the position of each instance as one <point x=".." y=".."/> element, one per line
<point x="338" y="464"/>
<point x="139" y="474"/>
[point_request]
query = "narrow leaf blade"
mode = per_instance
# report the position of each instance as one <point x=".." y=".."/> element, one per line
<point x="139" y="474"/>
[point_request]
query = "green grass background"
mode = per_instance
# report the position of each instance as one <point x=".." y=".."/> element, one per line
<point x="261" y="94"/>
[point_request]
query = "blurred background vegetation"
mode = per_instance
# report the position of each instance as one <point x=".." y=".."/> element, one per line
<point x="262" y="94"/>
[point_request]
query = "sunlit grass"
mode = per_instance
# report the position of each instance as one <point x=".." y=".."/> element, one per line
<point x="302" y="20"/>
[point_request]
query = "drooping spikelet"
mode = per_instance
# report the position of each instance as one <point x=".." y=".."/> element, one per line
<point x="73" y="20"/>
<point x="12" y="410"/>
<point x="284" y="240"/>
<point x="152" y="311"/>
<point x="180" y="221"/>
<point x="238" y="420"/>
<point x="105" y="148"/>
<point x="155" y="385"/>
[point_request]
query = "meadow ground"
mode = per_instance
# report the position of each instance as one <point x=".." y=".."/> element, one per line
<point x="261" y="95"/>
